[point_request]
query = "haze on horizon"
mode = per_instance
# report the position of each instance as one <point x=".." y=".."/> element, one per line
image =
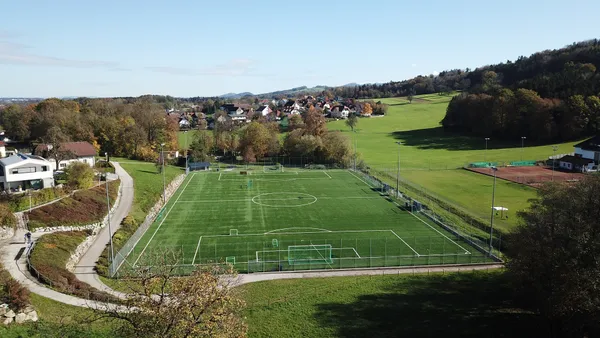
<point x="190" y="48"/>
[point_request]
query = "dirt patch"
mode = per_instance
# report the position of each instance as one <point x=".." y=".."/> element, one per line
<point x="49" y="245"/>
<point x="531" y="176"/>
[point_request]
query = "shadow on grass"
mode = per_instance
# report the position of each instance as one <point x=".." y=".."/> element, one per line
<point x="149" y="171"/>
<point x="465" y="305"/>
<point x="438" y="138"/>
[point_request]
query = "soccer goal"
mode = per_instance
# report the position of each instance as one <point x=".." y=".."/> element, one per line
<point x="233" y="232"/>
<point x="306" y="254"/>
<point x="273" y="168"/>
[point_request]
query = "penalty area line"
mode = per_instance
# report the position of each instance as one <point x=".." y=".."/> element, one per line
<point x="326" y="174"/>
<point x="197" y="247"/>
<point x="403" y="241"/>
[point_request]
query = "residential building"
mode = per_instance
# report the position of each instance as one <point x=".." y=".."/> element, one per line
<point x="73" y="152"/>
<point x="2" y="149"/>
<point x="589" y="149"/>
<point x="20" y="172"/>
<point x="264" y="110"/>
<point x="340" y="112"/>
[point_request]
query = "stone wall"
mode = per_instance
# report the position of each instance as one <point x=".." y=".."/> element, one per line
<point x="170" y="190"/>
<point x="95" y="226"/>
<point x="80" y="251"/>
<point x="6" y="232"/>
<point x="8" y="316"/>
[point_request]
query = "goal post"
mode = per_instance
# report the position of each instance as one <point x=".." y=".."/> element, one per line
<point x="233" y="232"/>
<point x="312" y="253"/>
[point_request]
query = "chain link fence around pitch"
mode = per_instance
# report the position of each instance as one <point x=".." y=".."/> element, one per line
<point x="430" y="207"/>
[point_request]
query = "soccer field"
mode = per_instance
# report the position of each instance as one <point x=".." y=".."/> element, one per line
<point x="270" y="220"/>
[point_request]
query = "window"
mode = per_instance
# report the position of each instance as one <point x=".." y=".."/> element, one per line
<point x="62" y="165"/>
<point x="45" y="168"/>
<point x="23" y="170"/>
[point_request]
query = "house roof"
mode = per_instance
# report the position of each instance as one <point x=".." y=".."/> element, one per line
<point x="2" y="144"/>
<point x="14" y="159"/>
<point x="592" y="144"/>
<point x="80" y="149"/>
<point x="576" y="160"/>
<point x="289" y="103"/>
<point x="263" y="107"/>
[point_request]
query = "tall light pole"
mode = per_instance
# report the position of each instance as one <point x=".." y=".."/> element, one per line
<point x="112" y="254"/>
<point x="398" y="172"/>
<point x="554" y="149"/>
<point x="162" y="155"/>
<point x="522" y="146"/>
<point x="186" y="151"/>
<point x="494" y="169"/>
<point x="485" y="153"/>
<point x="354" y="149"/>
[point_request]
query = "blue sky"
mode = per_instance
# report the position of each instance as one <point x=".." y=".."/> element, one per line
<point x="204" y="48"/>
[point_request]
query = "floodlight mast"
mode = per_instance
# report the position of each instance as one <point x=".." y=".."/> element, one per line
<point x="494" y="169"/>
<point x="554" y="149"/>
<point x="398" y="172"/>
<point x="486" y="148"/>
<point x="112" y="253"/>
<point x="523" y="138"/>
<point x="162" y="155"/>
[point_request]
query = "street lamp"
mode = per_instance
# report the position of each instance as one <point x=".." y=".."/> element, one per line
<point x="112" y="254"/>
<point x="485" y="153"/>
<point x="162" y="155"/>
<point x="554" y="149"/>
<point x="494" y="169"/>
<point x="398" y="171"/>
<point x="522" y="146"/>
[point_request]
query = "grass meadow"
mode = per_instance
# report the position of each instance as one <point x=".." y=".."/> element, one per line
<point x="429" y="156"/>
<point x="470" y="304"/>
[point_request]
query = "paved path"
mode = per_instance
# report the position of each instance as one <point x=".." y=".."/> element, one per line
<point x="14" y="254"/>
<point x="84" y="269"/>
<point x="259" y="277"/>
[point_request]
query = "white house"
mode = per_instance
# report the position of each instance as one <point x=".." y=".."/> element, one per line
<point x="340" y="112"/>
<point x="184" y="123"/>
<point x="20" y="172"/>
<point x="264" y="110"/>
<point x="2" y="149"/>
<point x="75" y="152"/>
<point x="575" y="163"/>
<point x="589" y="149"/>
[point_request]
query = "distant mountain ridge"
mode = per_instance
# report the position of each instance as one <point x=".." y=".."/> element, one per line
<point x="286" y="92"/>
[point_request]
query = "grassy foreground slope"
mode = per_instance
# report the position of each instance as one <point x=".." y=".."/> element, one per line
<point x="472" y="304"/>
<point x="429" y="156"/>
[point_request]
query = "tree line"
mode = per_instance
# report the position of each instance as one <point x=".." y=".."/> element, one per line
<point x="308" y="138"/>
<point x="550" y="96"/>
<point x="132" y="128"/>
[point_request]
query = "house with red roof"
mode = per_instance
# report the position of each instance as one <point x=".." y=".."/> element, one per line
<point x="69" y="152"/>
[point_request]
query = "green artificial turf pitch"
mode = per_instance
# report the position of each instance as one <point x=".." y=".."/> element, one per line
<point x="271" y="220"/>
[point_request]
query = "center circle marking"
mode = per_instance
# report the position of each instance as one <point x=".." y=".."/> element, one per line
<point x="271" y="199"/>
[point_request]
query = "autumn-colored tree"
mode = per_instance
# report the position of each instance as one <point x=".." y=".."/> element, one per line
<point x="314" y="123"/>
<point x="255" y="137"/>
<point x="295" y="122"/>
<point x="161" y="304"/>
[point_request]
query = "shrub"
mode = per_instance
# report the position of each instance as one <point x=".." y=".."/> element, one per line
<point x="82" y="208"/>
<point x="79" y="175"/>
<point x="121" y="236"/>
<point x="21" y="202"/>
<point x="18" y="296"/>
<point x="50" y="257"/>
<point x="7" y="218"/>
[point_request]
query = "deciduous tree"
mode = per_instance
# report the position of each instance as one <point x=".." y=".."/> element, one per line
<point x="352" y="121"/>
<point x="553" y="256"/>
<point x="79" y="175"/>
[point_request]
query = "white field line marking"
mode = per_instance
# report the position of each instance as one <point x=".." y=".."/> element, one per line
<point x="325" y="172"/>
<point x="356" y="252"/>
<point x="281" y="199"/>
<point x="295" y="233"/>
<point x="436" y="230"/>
<point x="197" y="247"/>
<point x="360" y="179"/>
<point x="403" y="241"/>
<point x="325" y="259"/>
<point x="345" y="248"/>
<point x="164" y="218"/>
<point x="272" y="231"/>
<point x="220" y="176"/>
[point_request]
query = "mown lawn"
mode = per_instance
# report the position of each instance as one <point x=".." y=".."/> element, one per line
<point x="473" y="304"/>
<point x="147" y="184"/>
<point x="426" y="148"/>
<point x="185" y="138"/>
